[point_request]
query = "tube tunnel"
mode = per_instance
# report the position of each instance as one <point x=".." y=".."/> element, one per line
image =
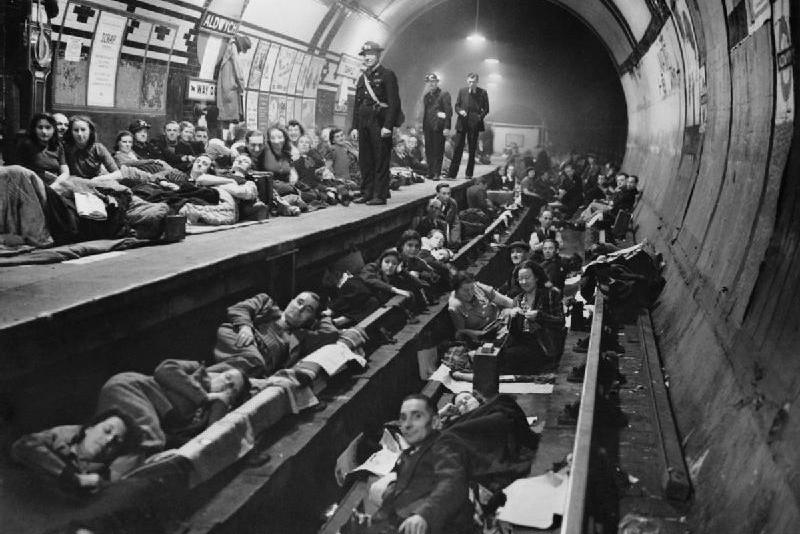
<point x="696" y="97"/>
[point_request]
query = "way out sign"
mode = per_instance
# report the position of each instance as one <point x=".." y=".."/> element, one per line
<point x="202" y="90"/>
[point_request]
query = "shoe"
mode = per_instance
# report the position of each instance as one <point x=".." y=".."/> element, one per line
<point x="375" y="202"/>
<point x="576" y="375"/>
<point x="581" y="346"/>
<point x="362" y="200"/>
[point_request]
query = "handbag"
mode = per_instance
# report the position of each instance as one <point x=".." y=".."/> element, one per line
<point x="401" y="117"/>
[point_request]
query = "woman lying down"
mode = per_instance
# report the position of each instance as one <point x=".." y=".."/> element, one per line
<point x="138" y="415"/>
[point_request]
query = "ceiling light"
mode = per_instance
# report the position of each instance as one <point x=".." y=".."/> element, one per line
<point x="476" y="38"/>
<point x="492" y="60"/>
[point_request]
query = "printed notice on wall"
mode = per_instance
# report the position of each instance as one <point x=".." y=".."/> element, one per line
<point x="104" y="59"/>
<point x="72" y="50"/>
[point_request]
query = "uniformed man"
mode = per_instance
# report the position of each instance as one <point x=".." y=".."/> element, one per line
<point x="375" y="113"/>
<point x="472" y="105"/>
<point x="435" y="124"/>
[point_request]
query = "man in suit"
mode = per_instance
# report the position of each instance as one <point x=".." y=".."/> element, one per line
<point x="430" y="494"/>
<point x="375" y="113"/>
<point x="472" y="105"/>
<point x="438" y="112"/>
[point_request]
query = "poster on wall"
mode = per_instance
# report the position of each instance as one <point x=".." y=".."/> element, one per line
<point x="259" y="57"/>
<point x="301" y="76"/>
<point x="349" y="67"/>
<point x="298" y="109"/>
<point x="283" y="69"/>
<point x="298" y="64"/>
<point x="104" y="59"/>
<point x="272" y="117"/>
<point x="312" y="76"/>
<point x="269" y="66"/>
<point x="281" y="110"/>
<point x="784" y="88"/>
<point x="263" y="111"/>
<point x="251" y="110"/>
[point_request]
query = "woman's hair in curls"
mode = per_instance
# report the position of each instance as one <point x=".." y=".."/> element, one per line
<point x="52" y="144"/>
<point x="459" y="279"/>
<point x="536" y="269"/>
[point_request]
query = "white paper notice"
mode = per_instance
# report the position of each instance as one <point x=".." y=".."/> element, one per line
<point x="104" y="59"/>
<point x="532" y="502"/>
<point x="72" y="52"/>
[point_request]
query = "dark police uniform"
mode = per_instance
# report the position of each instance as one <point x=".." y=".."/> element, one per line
<point x="476" y="104"/>
<point x="435" y="102"/>
<point x="369" y="117"/>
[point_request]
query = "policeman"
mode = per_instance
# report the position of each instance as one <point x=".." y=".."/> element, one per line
<point x="375" y="113"/>
<point x="435" y="124"/>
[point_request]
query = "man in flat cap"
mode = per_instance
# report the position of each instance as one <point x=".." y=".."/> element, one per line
<point x="472" y="105"/>
<point x="375" y="113"/>
<point x="436" y="120"/>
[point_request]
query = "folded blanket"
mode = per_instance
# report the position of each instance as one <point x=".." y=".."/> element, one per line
<point x="73" y="252"/>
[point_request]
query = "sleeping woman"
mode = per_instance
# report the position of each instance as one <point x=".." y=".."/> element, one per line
<point x="178" y="401"/>
<point x="78" y="456"/>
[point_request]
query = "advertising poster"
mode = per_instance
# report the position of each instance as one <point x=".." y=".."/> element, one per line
<point x="290" y="110"/>
<point x="283" y="70"/>
<point x="296" y="67"/>
<point x="298" y="109"/>
<point x="269" y="66"/>
<point x="282" y="118"/>
<point x="251" y="110"/>
<point x="273" y="110"/>
<point x="312" y="76"/>
<point x="104" y="59"/>
<point x="263" y="111"/>
<point x="257" y="69"/>
<point x="301" y="77"/>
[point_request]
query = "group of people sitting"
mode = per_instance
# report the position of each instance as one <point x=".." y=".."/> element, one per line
<point x="63" y="185"/>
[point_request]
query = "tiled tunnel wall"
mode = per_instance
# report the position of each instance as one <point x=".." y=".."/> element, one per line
<point x="711" y="115"/>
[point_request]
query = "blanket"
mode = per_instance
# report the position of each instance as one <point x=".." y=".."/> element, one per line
<point x="71" y="252"/>
<point x="498" y="441"/>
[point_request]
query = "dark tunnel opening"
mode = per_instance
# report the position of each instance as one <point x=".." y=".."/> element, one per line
<point x="553" y="69"/>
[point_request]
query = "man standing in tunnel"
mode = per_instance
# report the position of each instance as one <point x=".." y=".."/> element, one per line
<point x="375" y="113"/>
<point x="472" y="105"/>
<point x="438" y="111"/>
